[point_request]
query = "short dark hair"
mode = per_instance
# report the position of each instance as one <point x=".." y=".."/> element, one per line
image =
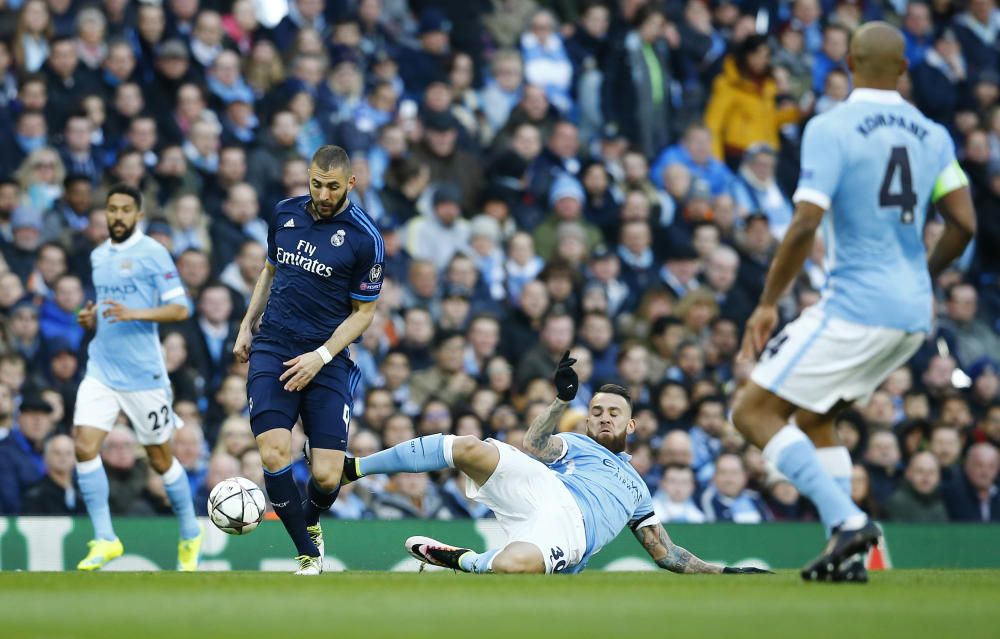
<point x="680" y="467"/>
<point x="615" y="389"/>
<point x="444" y="336"/>
<point x="331" y="156"/>
<point x="709" y="399"/>
<point x="125" y="189"/>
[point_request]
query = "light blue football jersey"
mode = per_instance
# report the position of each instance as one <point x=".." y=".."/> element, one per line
<point x="873" y="162"/>
<point x="138" y="273"/>
<point x="610" y="493"/>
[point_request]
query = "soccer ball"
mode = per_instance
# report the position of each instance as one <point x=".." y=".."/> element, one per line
<point x="236" y="506"/>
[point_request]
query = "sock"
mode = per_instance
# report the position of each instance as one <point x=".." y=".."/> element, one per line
<point x="478" y="562"/>
<point x="94" y="488"/>
<point x="317" y="502"/>
<point x="179" y="491"/>
<point x="836" y="460"/>
<point x="794" y="455"/>
<point x="287" y="502"/>
<point x="419" y="455"/>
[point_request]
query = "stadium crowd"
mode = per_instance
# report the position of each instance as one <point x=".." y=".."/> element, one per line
<point x="609" y="177"/>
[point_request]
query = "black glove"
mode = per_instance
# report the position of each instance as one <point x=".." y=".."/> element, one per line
<point x="566" y="380"/>
<point x="748" y="570"/>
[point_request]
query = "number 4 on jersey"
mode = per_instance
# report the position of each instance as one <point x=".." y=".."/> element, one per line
<point x="906" y="198"/>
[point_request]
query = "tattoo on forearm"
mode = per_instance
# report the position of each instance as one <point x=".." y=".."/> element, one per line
<point x="669" y="555"/>
<point x="538" y="439"/>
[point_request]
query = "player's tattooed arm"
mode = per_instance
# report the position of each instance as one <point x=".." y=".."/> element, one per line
<point x="538" y="441"/>
<point x="669" y="555"/>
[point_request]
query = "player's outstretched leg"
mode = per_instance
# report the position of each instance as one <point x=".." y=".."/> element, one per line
<point x="175" y="482"/>
<point x="763" y="418"/>
<point x="94" y="488"/>
<point x="420" y="455"/>
<point x="516" y="557"/>
<point x="275" y="450"/>
<point x="474" y="457"/>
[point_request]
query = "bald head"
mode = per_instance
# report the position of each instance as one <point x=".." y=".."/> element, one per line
<point x="877" y="56"/>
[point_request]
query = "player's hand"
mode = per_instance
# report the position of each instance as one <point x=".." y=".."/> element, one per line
<point x="758" y="330"/>
<point x="748" y="570"/>
<point x="566" y="380"/>
<point x="117" y="312"/>
<point x="87" y="317"/>
<point x="241" y="350"/>
<point x="303" y="369"/>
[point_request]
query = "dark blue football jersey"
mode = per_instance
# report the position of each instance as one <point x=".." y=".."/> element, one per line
<point x="320" y="266"/>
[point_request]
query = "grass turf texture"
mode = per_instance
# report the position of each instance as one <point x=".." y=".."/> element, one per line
<point x="902" y="603"/>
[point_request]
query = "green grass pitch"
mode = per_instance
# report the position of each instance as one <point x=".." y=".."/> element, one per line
<point x="904" y="603"/>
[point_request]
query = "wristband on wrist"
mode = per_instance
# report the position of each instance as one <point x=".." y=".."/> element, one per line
<point x="324" y="354"/>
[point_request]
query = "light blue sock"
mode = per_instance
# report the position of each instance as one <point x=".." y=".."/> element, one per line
<point x="419" y="455"/>
<point x="795" y="456"/>
<point x="179" y="491"/>
<point x="94" y="488"/>
<point x="478" y="563"/>
<point x="836" y="460"/>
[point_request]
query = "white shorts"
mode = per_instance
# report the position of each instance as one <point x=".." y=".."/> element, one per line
<point x="817" y="360"/>
<point x="533" y="506"/>
<point x="150" y="411"/>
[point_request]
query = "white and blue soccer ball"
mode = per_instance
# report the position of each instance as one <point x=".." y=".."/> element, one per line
<point x="236" y="506"/>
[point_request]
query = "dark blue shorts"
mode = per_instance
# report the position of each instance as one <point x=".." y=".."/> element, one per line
<point x="324" y="405"/>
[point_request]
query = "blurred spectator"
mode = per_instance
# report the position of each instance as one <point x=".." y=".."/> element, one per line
<point x="22" y="462"/>
<point x="918" y="31"/>
<point x="55" y="493"/>
<point x="727" y="497"/>
<point x="882" y="460"/>
<point x="861" y="491"/>
<point x="706" y="433"/>
<point x="189" y="449"/>
<point x="755" y="190"/>
<point x="975" y="338"/>
<point x="973" y="495"/>
<point x="447" y="379"/>
<point x="673" y="502"/>
<point x="541" y="360"/>
<point x="940" y="81"/>
<point x="918" y="499"/>
<point x="638" y="83"/>
<point x="437" y="238"/>
<point x="695" y="153"/>
<point x="785" y="502"/>
<point x="211" y="335"/>
<point x="832" y="54"/>
<point x="742" y="110"/>
<point x="977" y="31"/>
<point x="946" y="446"/>
<point x="409" y="495"/>
<point x="127" y="473"/>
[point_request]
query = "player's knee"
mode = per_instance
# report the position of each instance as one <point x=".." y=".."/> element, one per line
<point x="274" y="458"/>
<point x="85" y="451"/>
<point x="744" y="414"/>
<point x="327" y="478"/>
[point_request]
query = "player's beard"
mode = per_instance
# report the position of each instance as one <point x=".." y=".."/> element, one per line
<point x="122" y="233"/>
<point x="611" y="441"/>
<point x="335" y="209"/>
